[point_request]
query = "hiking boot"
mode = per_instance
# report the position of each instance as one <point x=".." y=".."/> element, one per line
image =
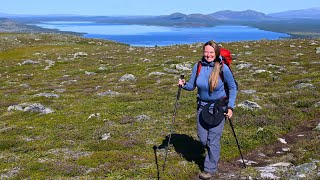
<point x="205" y="175"/>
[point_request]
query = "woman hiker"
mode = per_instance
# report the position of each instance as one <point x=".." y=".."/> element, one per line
<point x="211" y="89"/>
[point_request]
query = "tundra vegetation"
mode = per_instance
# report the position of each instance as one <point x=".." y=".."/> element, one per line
<point x="77" y="108"/>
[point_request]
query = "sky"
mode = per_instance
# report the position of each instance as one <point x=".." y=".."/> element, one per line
<point x="147" y="7"/>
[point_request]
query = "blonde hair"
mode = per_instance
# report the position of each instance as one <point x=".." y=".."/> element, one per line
<point x="214" y="76"/>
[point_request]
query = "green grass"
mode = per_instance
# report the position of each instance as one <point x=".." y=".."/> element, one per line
<point x="45" y="146"/>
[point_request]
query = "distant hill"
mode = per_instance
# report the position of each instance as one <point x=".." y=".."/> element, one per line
<point x="303" y="13"/>
<point x="9" y="25"/>
<point x="191" y="19"/>
<point x="239" y="15"/>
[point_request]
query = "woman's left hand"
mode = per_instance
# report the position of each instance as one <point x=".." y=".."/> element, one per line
<point x="229" y="114"/>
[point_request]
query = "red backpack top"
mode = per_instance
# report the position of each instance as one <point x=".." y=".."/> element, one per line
<point x="226" y="56"/>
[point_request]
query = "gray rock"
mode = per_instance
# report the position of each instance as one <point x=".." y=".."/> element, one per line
<point x="173" y="71"/>
<point x="283" y="141"/>
<point x="249" y="91"/>
<point x="105" y="136"/>
<point x="146" y="60"/>
<point x="262" y="71"/>
<point x="79" y="54"/>
<point x="249" y="105"/>
<point x="71" y="81"/>
<point x="156" y="73"/>
<point x="60" y="90"/>
<point x="143" y="117"/>
<point x="5" y="129"/>
<point x="25" y="85"/>
<point x="102" y="68"/>
<point x="295" y="63"/>
<point x="304" y="85"/>
<point x="11" y="173"/>
<point x="285" y="149"/>
<point x="36" y="107"/>
<point x="268" y="175"/>
<point x="281" y="164"/>
<point x="51" y="63"/>
<point x="67" y="153"/>
<point x="247" y="162"/>
<point x="183" y="67"/>
<point x="127" y="77"/>
<point x="90" y="73"/>
<point x="48" y="95"/>
<point x="305" y="168"/>
<point x="28" y="61"/>
<point x="273" y="66"/>
<point x="245" y="65"/>
<point x="108" y="93"/>
<point x="317" y="128"/>
<point x="297" y="55"/>
<point x="95" y="115"/>
<point x="318" y="50"/>
<point x="268" y="172"/>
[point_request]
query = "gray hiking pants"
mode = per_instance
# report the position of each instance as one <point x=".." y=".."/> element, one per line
<point x="210" y="138"/>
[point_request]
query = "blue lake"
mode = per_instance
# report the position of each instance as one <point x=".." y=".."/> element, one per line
<point x="141" y="35"/>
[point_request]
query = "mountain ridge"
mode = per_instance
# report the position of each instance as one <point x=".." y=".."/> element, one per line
<point x="243" y="15"/>
<point x="297" y="27"/>
<point x="313" y="12"/>
<point x="302" y="13"/>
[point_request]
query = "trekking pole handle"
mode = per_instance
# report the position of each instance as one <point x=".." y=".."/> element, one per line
<point x="179" y="90"/>
<point x="182" y="76"/>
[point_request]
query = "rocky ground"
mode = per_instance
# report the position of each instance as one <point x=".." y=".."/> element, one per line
<point x="77" y="108"/>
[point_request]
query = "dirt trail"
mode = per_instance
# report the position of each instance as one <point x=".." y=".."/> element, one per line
<point x="270" y="153"/>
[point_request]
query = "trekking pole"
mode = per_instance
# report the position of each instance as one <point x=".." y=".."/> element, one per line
<point x="156" y="157"/>
<point x="234" y="134"/>
<point x="173" y="118"/>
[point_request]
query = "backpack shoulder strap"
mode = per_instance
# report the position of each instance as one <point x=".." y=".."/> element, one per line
<point x="221" y="72"/>
<point x="199" y="65"/>
<point x="225" y="84"/>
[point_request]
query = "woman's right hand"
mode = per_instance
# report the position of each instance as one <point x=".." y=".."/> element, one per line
<point x="182" y="82"/>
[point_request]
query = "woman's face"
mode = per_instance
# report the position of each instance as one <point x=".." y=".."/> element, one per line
<point x="209" y="53"/>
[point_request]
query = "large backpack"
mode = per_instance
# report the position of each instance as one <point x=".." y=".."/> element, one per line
<point x="226" y="59"/>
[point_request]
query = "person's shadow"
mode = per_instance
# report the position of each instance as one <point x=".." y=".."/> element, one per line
<point x="192" y="150"/>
